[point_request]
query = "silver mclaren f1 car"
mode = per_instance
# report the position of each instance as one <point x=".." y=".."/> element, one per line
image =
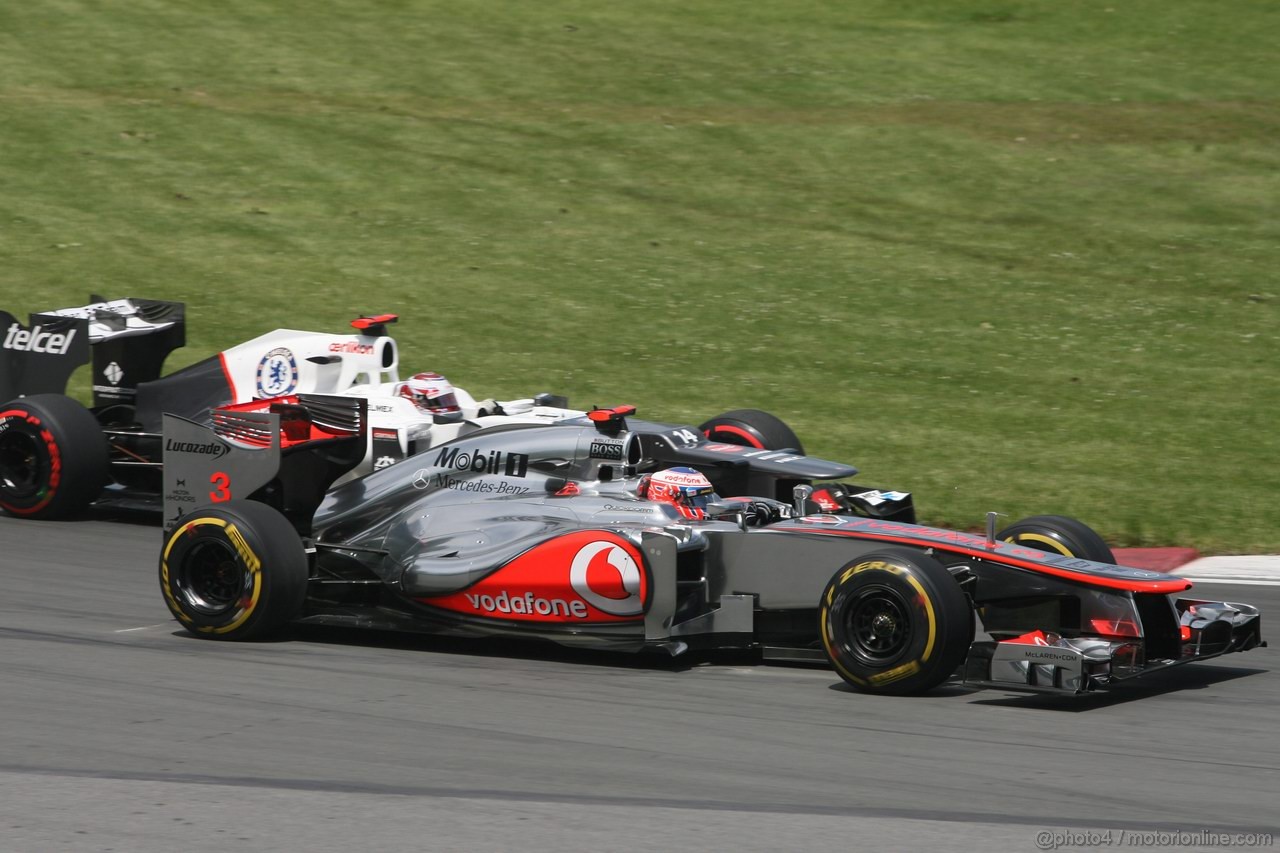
<point x="547" y="531"/>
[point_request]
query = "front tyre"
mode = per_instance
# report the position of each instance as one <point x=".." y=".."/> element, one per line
<point x="53" y="457"/>
<point x="895" y="622"/>
<point x="752" y="428"/>
<point x="1060" y="535"/>
<point x="234" y="572"/>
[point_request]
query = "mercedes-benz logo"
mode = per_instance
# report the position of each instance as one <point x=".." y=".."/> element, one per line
<point x="422" y="478"/>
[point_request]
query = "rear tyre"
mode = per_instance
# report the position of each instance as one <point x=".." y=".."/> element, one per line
<point x="895" y="622"/>
<point x="53" y="457"/>
<point x="1060" y="535"/>
<point x="234" y="572"/>
<point x="752" y="428"/>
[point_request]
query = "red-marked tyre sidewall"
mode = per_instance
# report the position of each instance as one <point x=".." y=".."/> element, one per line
<point x="1059" y="534"/>
<point x="895" y="622"/>
<point x="53" y="457"/>
<point x="752" y="428"/>
<point x="235" y="572"/>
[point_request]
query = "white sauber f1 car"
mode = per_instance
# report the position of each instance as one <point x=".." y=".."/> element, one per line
<point x="57" y="457"/>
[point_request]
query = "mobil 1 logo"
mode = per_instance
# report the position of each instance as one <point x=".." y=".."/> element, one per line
<point x="484" y="462"/>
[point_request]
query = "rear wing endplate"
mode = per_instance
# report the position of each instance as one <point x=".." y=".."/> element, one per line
<point x="285" y="452"/>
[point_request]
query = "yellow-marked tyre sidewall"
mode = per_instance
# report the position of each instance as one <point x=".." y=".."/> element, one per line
<point x="939" y="622"/>
<point x="264" y="562"/>
<point x="1059" y="534"/>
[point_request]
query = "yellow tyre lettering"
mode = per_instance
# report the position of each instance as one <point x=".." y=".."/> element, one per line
<point x="248" y="609"/>
<point x="246" y="553"/>
<point x="216" y="522"/>
<point x="242" y="548"/>
<point x="174" y="607"/>
<point x="896" y="674"/>
<point x="831" y="655"/>
<point x="928" y="612"/>
<point x="1054" y="544"/>
<point x="899" y="672"/>
<point x="870" y="565"/>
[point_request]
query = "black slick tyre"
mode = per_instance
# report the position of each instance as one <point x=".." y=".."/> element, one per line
<point x="894" y="622"/>
<point x="236" y="571"/>
<point x="1058" y="534"/>
<point x="752" y="428"/>
<point x="53" y="457"/>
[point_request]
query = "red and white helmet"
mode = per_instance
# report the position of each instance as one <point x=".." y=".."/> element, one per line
<point x="686" y="489"/>
<point x="431" y="393"/>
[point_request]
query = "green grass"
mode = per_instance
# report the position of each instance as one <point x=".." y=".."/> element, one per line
<point x="1008" y="255"/>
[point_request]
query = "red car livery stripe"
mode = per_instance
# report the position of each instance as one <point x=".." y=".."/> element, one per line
<point x="226" y="374"/>
<point x="1094" y="574"/>
<point x="585" y="577"/>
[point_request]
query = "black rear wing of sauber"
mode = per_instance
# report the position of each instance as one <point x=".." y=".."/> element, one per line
<point x="284" y="452"/>
<point x="40" y="357"/>
<point x="127" y="340"/>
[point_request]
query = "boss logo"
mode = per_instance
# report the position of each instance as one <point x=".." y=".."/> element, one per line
<point x="606" y="450"/>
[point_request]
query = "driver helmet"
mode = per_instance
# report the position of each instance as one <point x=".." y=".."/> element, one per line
<point x="432" y="394"/>
<point x="689" y="491"/>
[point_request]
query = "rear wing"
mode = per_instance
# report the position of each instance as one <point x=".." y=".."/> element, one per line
<point x="127" y="339"/>
<point x="284" y="452"/>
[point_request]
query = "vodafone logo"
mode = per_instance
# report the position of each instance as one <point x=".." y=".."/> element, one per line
<point x="579" y="578"/>
<point x="607" y="578"/>
<point x="679" y="478"/>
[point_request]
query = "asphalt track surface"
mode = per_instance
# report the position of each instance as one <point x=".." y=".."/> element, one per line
<point x="120" y="732"/>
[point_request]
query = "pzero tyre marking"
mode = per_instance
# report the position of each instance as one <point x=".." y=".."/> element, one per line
<point x="251" y="561"/>
<point x="1053" y="544"/>
<point x="894" y="622"/>
<point x="234" y="571"/>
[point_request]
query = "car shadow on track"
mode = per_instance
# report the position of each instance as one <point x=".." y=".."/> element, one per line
<point x="1174" y="681"/>
<point x="522" y="649"/>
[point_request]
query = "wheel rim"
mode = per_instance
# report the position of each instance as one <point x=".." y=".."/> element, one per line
<point x="211" y="580"/>
<point x="877" y="625"/>
<point x="19" y="463"/>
